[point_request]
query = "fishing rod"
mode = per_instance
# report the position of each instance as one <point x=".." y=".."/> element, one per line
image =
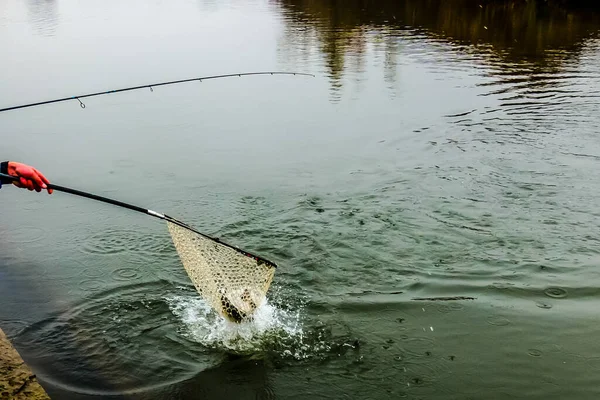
<point x="150" y="86"/>
<point x="143" y="211"/>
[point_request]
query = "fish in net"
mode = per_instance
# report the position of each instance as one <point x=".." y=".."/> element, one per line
<point x="233" y="282"/>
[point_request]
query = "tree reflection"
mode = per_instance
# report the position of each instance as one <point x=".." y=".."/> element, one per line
<point x="534" y="33"/>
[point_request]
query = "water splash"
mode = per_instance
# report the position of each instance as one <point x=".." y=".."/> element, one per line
<point x="203" y="325"/>
<point x="275" y="332"/>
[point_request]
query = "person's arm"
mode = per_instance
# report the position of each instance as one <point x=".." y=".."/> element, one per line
<point x="29" y="177"/>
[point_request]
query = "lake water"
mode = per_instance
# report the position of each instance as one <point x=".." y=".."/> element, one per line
<point x="430" y="196"/>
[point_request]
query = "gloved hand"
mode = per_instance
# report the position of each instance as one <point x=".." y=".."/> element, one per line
<point x="29" y="177"/>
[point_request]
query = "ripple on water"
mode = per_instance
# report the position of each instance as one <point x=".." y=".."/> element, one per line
<point x="111" y="332"/>
<point x="132" y="337"/>
<point x="146" y="245"/>
<point x="449" y="307"/>
<point x="418" y="347"/>
<point x="13" y="327"/>
<point x="555" y="292"/>
<point x="424" y="375"/>
<point x="125" y="274"/>
<point x="94" y="278"/>
<point x="421" y="378"/>
<point x="497" y="320"/>
<point x="25" y="234"/>
<point x="534" y="352"/>
<point x="106" y="243"/>
<point x="91" y="284"/>
<point x="92" y="272"/>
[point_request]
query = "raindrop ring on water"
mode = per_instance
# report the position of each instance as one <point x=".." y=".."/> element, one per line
<point x="555" y="292"/>
<point x="534" y="352"/>
<point x="125" y="274"/>
<point x="91" y="284"/>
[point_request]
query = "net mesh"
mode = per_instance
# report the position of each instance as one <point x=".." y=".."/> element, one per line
<point x="234" y="284"/>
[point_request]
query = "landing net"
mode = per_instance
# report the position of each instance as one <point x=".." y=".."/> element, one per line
<point x="234" y="283"/>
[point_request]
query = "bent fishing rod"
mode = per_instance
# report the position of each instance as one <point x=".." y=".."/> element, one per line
<point x="158" y="215"/>
<point x="150" y="86"/>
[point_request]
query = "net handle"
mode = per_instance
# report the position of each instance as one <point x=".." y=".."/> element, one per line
<point x="146" y="211"/>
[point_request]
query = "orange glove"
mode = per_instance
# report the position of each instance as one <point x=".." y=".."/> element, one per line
<point x="29" y="177"/>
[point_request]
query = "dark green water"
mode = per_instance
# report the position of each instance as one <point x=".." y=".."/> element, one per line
<point x="444" y="149"/>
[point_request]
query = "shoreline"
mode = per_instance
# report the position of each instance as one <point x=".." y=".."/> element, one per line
<point x="17" y="380"/>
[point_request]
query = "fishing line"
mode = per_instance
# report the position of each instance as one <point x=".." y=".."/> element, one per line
<point x="233" y="281"/>
<point x="150" y="86"/>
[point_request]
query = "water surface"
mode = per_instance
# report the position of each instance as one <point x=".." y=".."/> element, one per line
<point x="430" y="197"/>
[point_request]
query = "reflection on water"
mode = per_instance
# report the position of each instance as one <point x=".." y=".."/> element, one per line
<point x="43" y="16"/>
<point x="541" y="33"/>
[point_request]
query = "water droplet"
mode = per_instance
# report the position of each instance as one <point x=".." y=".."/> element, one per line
<point x="555" y="292"/>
